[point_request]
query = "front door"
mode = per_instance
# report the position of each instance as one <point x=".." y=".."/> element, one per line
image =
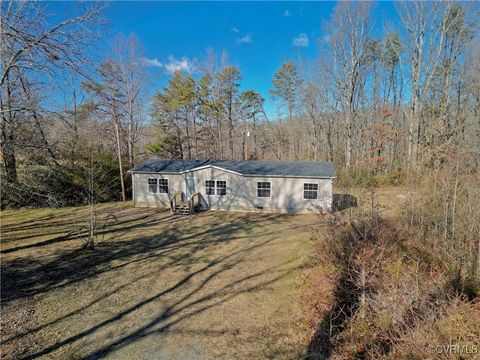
<point x="189" y="187"/>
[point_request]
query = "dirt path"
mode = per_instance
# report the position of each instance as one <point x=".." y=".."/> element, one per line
<point x="215" y="285"/>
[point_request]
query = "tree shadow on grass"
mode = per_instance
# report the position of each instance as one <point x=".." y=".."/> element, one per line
<point x="30" y="276"/>
<point x="333" y="323"/>
<point x="78" y="231"/>
<point x="345" y="302"/>
<point x="27" y="277"/>
<point x="187" y="310"/>
<point x="182" y="308"/>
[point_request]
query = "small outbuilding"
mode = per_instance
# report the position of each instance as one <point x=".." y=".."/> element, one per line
<point x="274" y="186"/>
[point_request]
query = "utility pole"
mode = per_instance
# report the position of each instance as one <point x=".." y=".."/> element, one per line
<point x="119" y="150"/>
<point x="117" y="132"/>
<point x="246" y="135"/>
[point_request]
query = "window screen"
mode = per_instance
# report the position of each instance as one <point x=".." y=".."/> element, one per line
<point x="210" y="187"/>
<point x="152" y="185"/>
<point x="163" y="186"/>
<point x="263" y="189"/>
<point x="310" y="191"/>
<point x="221" y="188"/>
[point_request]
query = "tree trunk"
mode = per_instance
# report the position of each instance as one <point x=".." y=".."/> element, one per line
<point x="348" y="145"/>
<point x="130" y="139"/>
<point x="195" y="135"/>
<point x="230" y="127"/>
<point x="8" y="153"/>
<point x="255" y="150"/>
<point x="7" y="136"/>
<point x="119" y="153"/>
<point x="476" y="262"/>
<point x="187" y="133"/>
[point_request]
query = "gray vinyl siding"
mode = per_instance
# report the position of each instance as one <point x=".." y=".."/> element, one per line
<point x="286" y="192"/>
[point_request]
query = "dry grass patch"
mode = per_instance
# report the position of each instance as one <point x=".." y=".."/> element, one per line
<point x="390" y="289"/>
<point x="212" y="285"/>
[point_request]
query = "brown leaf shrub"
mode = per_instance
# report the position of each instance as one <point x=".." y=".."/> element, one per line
<point x="396" y="288"/>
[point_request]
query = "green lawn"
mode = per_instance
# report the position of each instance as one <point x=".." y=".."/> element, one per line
<point x="213" y="285"/>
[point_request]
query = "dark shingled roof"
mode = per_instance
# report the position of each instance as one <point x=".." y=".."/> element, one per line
<point x="247" y="167"/>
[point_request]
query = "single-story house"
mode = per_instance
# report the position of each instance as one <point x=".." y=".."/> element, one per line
<point x="275" y="186"/>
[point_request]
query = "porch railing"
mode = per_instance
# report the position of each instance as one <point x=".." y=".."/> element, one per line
<point x="179" y="205"/>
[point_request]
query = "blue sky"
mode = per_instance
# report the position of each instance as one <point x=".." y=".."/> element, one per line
<point x="258" y="36"/>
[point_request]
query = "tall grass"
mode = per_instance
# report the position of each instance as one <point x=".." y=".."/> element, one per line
<point x="406" y="286"/>
<point x="443" y="215"/>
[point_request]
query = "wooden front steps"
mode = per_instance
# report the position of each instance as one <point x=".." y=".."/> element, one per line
<point x="179" y="206"/>
<point x="182" y="209"/>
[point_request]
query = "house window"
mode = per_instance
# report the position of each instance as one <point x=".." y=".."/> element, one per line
<point x="310" y="191"/>
<point x="210" y="187"/>
<point x="263" y="189"/>
<point x="163" y="186"/>
<point x="152" y="185"/>
<point x="221" y="188"/>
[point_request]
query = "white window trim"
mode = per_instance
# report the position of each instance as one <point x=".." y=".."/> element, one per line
<point x="265" y="197"/>
<point x="158" y="186"/>
<point x="216" y="188"/>
<point x="148" y="185"/>
<point x="210" y="187"/>
<point x="317" y="191"/>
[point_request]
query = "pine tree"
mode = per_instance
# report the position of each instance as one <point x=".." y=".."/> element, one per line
<point x="286" y="82"/>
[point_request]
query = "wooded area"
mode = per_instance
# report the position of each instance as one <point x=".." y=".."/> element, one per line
<point x="395" y="106"/>
<point x="404" y="99"/>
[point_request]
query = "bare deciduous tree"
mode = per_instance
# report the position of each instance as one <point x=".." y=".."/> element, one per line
<point x="33" y="47"/>
<point x="350" y="29"/>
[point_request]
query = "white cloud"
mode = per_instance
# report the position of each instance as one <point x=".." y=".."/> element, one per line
<point x="172" y="65"/>
<point x="301" y="40"/>
<point x="183" y="64"/>
<point x="152" y="62"/>
<point x="235" y="29"/>
<point x="287" y="13"/>
<point x="245" y="39"/>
